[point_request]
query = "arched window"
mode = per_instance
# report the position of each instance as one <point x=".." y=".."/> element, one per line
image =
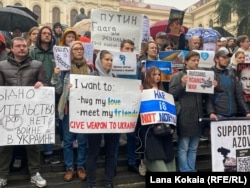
<point x="73" y="14"/>
<point x="211" y="23"/>
<point x="18" y="4"/>
<point x="56" y="15"/>
<point x="37" y="11"/>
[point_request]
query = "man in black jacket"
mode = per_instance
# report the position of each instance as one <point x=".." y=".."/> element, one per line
<point x="228" y="94"/>
<point x="21" y="70"/>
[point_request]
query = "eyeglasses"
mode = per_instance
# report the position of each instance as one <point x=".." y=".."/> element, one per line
<point x="46" y="33"/>
<point x="78" y="49"/>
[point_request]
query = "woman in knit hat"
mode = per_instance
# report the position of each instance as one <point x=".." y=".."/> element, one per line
<point x="78" y="66"/>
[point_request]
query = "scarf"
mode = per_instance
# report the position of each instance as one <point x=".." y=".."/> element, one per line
<point x="79" y="67"/>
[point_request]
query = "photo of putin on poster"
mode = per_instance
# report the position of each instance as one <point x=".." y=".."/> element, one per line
<point x="243" y="72"/>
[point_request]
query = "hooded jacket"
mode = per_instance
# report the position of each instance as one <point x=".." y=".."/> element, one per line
<point x="66" y="32"/>
<point x="45" y="56"/>
<point x="55" y="34"/>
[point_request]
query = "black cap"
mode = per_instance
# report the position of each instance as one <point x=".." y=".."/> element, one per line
<point x="222" y="53"/>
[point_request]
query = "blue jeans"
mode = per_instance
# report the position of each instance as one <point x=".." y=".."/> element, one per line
<point x="48" y="149"/>
<point x="186" y="153"/>
<point x="68" y="151"/>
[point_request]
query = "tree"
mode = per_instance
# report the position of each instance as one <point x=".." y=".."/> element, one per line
<point x="241" y="8"/>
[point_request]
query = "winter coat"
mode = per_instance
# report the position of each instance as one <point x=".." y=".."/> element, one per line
<point x="156" y="147"/>
<point x="190" y="107"/>
<point x="228" y="95"/>
<point x="45" y="56"/>
<point x="25" y="73"/>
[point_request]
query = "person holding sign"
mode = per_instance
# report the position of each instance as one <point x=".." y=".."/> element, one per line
<point x="104" y="61"/>
<point x="128" y="45"/>
<point x="151" y="51"/>
<point x="25" y="72"/>
<point x="228" y="94"/>
<point x="188" y="114"/>
<point x="62" y="59"/>
<point x="158" y="150"/>
<point x="62" y="86"/>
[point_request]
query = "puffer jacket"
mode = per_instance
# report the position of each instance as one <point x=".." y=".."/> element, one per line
<point x="25" y="73"/>
<point x="228" y="95"/>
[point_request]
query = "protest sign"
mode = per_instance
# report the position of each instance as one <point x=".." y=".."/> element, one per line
<point x="145" y="29"/>
<point x="124" y="63"/>
<point x="206" y="58"/>
<point x="175" y="22"/>
<point x="200" y="81"/>
<point x="176" y="56"/>
<point x="100" y="104"/>
<point x="62" y="57"/>
<point x="109" y="28"/>
<point x="247" y="57"/>
<point x="157" y="107"/>
<point x="230" y="146"/>
<point x="164" y="66"/>
<point x="209" y="46"/>
<point x="27" y="115"/>
<point x="88" y="52"/>
<point x="243" y="73"/>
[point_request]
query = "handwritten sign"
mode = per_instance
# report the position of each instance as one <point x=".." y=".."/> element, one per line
<point x="103" y="104"/>
<point x="62" y="57"/>
<point x="157" y="107"/>
<point x="109" y="28"/>
<point x="200" y="81"/>
<point x="27" y="115"/>
<point x="124" y="63"/>
<point x="230" y="141"/>
<point x="88" y="52"/>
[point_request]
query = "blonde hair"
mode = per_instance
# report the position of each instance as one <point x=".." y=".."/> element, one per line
<point x="28" y="40"/>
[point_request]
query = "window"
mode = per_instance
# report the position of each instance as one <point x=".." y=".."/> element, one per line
<point x="37" y="11"/>
<point x="56" y="15"/>
<point x="73" y="14"/>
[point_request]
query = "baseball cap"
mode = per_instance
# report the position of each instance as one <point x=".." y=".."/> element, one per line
<point x="222" y="53"/>
<point x="161" y="35"/>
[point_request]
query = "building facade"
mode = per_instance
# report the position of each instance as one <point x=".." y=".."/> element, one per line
<point x="65" y="11"/>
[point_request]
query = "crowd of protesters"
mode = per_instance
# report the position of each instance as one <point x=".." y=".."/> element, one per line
<point x="34" y="55"/>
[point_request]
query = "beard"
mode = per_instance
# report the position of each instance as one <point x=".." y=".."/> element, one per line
<point x="222" y="66"/>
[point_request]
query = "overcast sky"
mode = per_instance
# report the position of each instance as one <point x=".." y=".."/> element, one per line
<point x="180" y="4"/>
